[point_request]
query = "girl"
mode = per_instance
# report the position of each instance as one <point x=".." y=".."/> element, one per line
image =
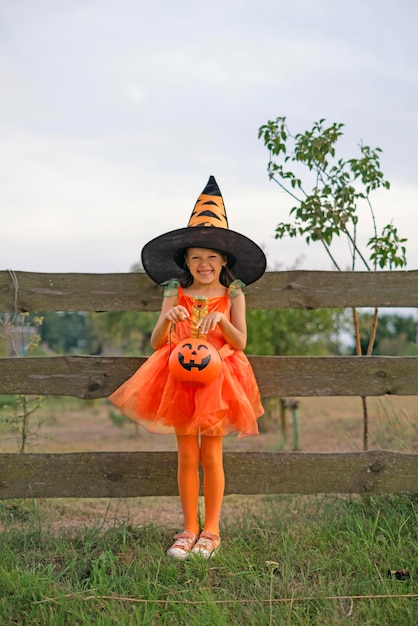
<point x="201" y="298"/>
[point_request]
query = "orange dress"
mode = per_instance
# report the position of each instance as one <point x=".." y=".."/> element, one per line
<point x="153" y="398"/>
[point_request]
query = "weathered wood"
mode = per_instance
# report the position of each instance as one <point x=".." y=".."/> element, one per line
<point x="336" y="376"/>
<point x="91" y="377"/>
<point x="132" y="474"/>
<point x="119" y="474"/>
<point x="30" y="291"/>
<point x="83" y="377"/>
<point x="300" y="289"/>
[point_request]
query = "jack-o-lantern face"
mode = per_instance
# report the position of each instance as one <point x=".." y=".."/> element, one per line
<point x="195" y="362"/>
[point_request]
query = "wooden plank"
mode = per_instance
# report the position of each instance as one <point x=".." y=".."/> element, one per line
<point x="133" y="474"/>
<point x="30" y="291"/>
<point x="87" y="475"/>
<point x="84" y="377"/>
<point x="336" y="376"/>
<point x="90" y="377"/>
<point x="301" y="289"/>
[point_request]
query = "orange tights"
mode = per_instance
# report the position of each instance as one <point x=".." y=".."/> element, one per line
<point x="190" y="455"/>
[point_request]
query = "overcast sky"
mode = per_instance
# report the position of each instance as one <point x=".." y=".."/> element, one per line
<point x="114" y="113"/>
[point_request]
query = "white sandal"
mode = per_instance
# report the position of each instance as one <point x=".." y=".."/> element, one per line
<point x="183" y="544"/>
<point x="207" y="545"/>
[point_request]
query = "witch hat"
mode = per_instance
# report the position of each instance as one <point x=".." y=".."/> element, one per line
<point x="163" y="257"/>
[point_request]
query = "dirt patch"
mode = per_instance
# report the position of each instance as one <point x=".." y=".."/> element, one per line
<point x="323" y="425"/>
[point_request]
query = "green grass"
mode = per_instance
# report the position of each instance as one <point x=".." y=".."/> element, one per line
<point x="297" y="561"/>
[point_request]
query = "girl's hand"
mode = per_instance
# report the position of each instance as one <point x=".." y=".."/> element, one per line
<point x="177" y="314"/>
<point x="209" y="322"/>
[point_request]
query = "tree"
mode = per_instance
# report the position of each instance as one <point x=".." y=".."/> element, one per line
<point x="127" y="331"/>
<point x="68" y="331"/>
<point x="20" y="332"/>
<point x="293" y="332"/>
<point x="396" y="335"/>
<point x="330" y="194"/>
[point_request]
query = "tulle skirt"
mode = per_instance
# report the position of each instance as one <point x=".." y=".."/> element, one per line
<point x="153" y="398"/>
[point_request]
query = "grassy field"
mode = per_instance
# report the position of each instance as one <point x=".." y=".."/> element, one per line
<point x="292" y="561"/>
<point x="284" y="560"/>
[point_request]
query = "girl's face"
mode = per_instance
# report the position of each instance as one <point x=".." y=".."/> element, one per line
<point x="205" y="265"/>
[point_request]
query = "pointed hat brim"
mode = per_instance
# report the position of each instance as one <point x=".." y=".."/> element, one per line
<point x="163" y="257"/>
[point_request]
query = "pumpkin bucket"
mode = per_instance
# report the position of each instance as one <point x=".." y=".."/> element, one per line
<point x="195" y="362"/>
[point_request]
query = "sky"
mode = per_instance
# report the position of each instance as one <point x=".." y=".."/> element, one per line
<point x="113" y="114"/>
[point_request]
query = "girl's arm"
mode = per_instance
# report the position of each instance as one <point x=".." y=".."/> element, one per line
<point x="170" y="314"/>
<point x="234" y="331"/>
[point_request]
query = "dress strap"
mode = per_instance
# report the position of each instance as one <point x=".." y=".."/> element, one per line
<point x="235" y="288"/>
<point x="170" y="287"/>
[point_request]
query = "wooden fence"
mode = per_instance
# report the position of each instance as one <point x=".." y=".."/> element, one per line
<point x="123" y="474"/>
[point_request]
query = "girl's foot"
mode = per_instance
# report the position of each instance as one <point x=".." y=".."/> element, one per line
<point x="207" y="544"/>
<point x="183" y="544"/>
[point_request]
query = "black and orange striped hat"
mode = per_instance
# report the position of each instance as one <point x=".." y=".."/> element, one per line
<point x="163" y="257"/>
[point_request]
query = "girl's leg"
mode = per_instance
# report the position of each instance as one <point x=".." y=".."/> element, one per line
<point x="188" y="479"/>
<point x="214" y="480"/>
